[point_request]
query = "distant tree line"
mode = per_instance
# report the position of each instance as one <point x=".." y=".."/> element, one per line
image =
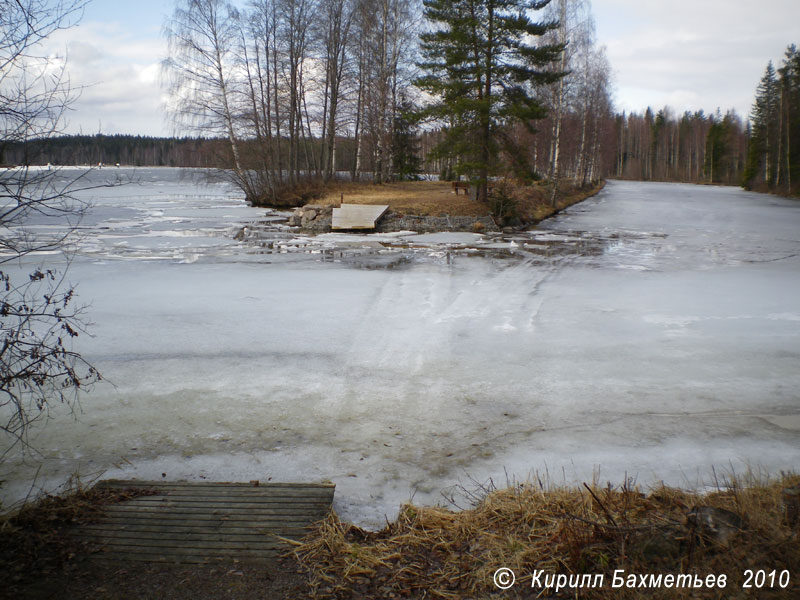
<point x="762" y="154"/>
<point x="694" y="147"/>
<point x="112" y="149"/>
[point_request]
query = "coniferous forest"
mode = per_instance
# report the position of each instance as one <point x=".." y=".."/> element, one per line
<point x="773" y="153"/>
<point x="132" y="150"/>
<point x="288" y="91"/>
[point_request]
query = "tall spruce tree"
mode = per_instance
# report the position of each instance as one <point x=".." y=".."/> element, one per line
<point x="762" y="148"/>
<point x="406" y="164"/>
<point x="790" y="119"/>
<point x="722" y="159"/>
<point x="483" y="67"/>
<point x="773" y="157"/>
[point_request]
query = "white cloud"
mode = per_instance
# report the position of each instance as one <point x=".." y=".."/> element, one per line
<point x="688" y="54"/>
<point x="707" y="52"/>
<point x="117" y="71"/>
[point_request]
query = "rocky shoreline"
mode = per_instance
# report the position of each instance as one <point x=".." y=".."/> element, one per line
<point x="317" y="219"/>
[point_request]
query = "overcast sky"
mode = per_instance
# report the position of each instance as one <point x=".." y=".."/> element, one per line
<point x="685" y="54"/>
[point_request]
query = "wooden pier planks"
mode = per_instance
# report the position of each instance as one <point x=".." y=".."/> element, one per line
<point x="357" y="216"/>
<point x="204" y="522"/>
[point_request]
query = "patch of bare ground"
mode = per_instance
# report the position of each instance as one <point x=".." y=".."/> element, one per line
<point x="424" y="198"/>
<point x="93" y="580"/>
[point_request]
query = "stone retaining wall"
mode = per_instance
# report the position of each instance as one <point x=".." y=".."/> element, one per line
<point x="396" y="222"/>
<point x="317" y="219"/>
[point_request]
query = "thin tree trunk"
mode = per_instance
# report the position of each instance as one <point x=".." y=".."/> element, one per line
<point x="275" y="90"/>
<point x="313" y="156"/>
<point x="262" y="150"/>
<point x="788" y="151"/>
<point x="357" y="132"/>
<point x="780" y="138"/>
<point x="483" y="186"/>
<point x="554" y="174"/>
<point x="580" y="170"/>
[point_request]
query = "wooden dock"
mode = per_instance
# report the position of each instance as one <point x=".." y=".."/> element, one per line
<point x="357" y="216"/>
<point x="205" y="522"/>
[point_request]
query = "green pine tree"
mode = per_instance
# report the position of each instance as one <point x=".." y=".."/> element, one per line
<point x="483" y="68"/>
<point x="406" y="164"/>
<point x="722" y="163"/>
<point x="762" y="146"/>
<point x="789" y="85"/>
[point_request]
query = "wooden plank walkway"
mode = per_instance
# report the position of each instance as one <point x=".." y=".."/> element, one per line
<point x="357" y="216"/>
<point x="203" y="522"/>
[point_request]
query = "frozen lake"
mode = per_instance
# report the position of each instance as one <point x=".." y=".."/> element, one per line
<point x="651" y="332"/>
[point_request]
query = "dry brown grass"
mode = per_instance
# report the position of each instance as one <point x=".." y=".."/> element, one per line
<point x="437" y="553"/>
<point x="528" y="203"/>
<point x="532" y="202"/>
<point x="425" y="198"/>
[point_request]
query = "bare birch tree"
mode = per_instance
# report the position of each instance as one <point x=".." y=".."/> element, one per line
<point x="388" y="31"/>
<point x="559" y="101"/>
<point x="39" y="316"/>
<point x="202" y="37"/>
<point x="571" y="94"/>
<point x="337" y="20"/>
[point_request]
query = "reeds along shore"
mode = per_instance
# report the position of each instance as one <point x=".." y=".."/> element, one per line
<point x="740" y="530"/>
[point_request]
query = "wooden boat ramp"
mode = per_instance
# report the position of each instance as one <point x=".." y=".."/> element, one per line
<point x="357" y="216"/>
<point x="199" y="522"/>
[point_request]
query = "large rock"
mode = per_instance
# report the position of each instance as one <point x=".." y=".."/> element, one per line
<point x="716" y="524"/>
<point x="312" y="217"/>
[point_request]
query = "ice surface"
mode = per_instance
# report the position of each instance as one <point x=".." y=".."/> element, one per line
<point x="652" y="331"/>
